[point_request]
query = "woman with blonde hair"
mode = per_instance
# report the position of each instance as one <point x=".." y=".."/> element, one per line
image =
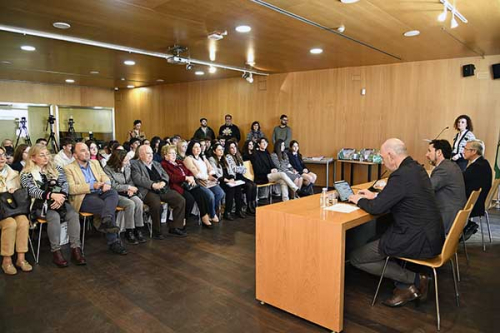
<point x="181" y="149"/>
<point x="47" y="184"/>
<point x="14" y="229"/>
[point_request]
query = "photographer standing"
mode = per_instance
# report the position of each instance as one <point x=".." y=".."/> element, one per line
<point x="47" y="184"/>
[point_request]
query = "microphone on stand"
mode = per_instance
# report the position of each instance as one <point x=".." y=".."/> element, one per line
<point x="444" y="129"/>
<point x="372" y="188"/>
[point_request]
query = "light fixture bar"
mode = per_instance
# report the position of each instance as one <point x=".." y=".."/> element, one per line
<point x="453" y="9"/>
<point x="116" y="47"/>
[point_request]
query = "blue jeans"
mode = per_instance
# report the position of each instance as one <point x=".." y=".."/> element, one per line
<point x="215" y="193"/>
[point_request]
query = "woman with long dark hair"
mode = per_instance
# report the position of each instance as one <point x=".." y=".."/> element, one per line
<point x="281" y="162"/>
<point x="248" y="150"/>
<point x="297" y="163"/>
<point x="20" y="157"/>
<point x="156" y="145"/>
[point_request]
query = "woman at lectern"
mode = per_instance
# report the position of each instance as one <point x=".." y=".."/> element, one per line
<point x="463" y="124"/>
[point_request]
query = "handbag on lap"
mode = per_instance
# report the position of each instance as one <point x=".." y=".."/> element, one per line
<point x="14" y="204"/>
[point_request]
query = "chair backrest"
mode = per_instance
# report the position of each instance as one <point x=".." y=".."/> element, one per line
<point x="472" y="199"/>
<point x="451" y="241"/>
<point x="491" y="194"/>
<point x="249" y="174"/>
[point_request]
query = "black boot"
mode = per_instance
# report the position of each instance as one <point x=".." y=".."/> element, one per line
<point x="130" y="237"/>
<point x="139" y="236"/>
<point x="227" y="216"/>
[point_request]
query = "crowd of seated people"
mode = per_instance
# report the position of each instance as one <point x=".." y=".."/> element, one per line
<point x="190" y="175"/>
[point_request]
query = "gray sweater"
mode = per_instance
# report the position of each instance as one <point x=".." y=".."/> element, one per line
<point x="284" y="134"/>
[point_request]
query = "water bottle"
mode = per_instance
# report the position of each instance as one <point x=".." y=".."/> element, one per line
<point x="323" y="198"/>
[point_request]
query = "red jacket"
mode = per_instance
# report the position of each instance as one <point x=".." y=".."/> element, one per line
<point x="177" y="174"/>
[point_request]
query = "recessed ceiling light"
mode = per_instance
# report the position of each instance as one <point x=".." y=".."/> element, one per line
<point x="412" y="33"/>
<point x="70" y="81"/>
<point x="160" y="80"/>
<point x="349" y="1"/>
<point x="129" y="62"/>
<point x="199" y="73"/>
<point x="123" y="79"/>
<point x="28" y="48"/>
<point x="94" y="72"/>
<point x="98" y="107"/>
<point x="6" y="62"/>
<point x="116" y="88"/>
<point x="212" y="69"/>
<point x="243" y="28"/>
<point x="316" y="51"/>
<point x="130" y="86"/>
<point x="61" y="25"/>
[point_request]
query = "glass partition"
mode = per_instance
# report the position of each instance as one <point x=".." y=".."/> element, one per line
<point x="84" y="123"/>
<point x="23" y="123"/>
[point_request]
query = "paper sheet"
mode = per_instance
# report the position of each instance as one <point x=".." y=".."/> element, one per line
<point x="342" y="208"/>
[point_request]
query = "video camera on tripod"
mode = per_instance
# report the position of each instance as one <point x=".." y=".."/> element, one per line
<point x="52" y="138"/>
<point x="23" y="132"/>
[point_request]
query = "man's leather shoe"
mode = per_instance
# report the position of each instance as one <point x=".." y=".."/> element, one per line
<point x="77" y="257"/>
<point x="139" y="236"/>
<point x="118" y="248"/>
<point x="176" y="232"/>
<point x="424" y="286"/>
<point x="402" y="296"/>
<point x="241" y="215"/>
<point x="227" y="216"/>
<point x="130" y="237"/>
<point x="470" y="229"/>
<point x="58" y="259"/>
<point x="108" y="226"/>
<point x="158" y="235"/>
<point x="250" y="210"/>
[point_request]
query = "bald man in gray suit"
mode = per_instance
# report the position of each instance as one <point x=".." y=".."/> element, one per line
<point x="447" y="181"/>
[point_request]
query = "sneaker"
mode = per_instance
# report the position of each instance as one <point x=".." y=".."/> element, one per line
<point x="117" y="248"/>
<point x="130" y="237"/>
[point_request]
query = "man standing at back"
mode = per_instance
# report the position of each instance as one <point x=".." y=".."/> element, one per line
<point x="478" y="175"/>
<point x="229" y="130"/>
<point x="204" y="131"/>
<point x="447" y="181"/>
<point x="417" y="230"/>
<point x="282" y="131"/>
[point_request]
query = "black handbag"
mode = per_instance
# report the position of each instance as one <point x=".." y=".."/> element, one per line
<point x="14" y="204"/>
<point x="188" y="187"/>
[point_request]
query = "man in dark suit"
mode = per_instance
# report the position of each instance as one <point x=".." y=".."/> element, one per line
<point x="152" y="182"/>
<point x="478" y="175"/>
<point x="204" y="132"/>
<point x="417" y="231"/>
<point x="447" y="181"/>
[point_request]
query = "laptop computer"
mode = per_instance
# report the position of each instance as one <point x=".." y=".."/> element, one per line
<point x="344" y="190"/>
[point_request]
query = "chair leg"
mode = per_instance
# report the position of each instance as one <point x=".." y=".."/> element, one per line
<point x="39" y="241"/>
<point x="380" y="281"/>
<point x="458" y="268"/>
<point x="83" y="235"/>
<point x="32" y="248"/>
<point x="482" y="233"/>
<point x="457" y="295"/>
<point x="465" y="250"/>
<point x="437" y="299"/>
<point x="487" y="216"/>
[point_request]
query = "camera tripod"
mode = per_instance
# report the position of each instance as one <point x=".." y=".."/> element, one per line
<point x="23" y="129"/>
<point x="71" y="129"/>
<point x="52" y="137"/>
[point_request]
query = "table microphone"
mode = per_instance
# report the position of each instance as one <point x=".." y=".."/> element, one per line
<point x="444" y="129"/>
<point x="373" y="189"/>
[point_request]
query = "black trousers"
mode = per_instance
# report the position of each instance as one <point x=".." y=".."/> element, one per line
<point x="232" y="193"/>
<point x="200" y="197"/>
<point x="250" y="189"/>
<point x="174" y="201"/>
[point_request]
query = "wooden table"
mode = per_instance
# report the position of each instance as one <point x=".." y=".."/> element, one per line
<point x="326" y="161"/>
<point x="300" y="250"/>
<point x="352" y="162"/>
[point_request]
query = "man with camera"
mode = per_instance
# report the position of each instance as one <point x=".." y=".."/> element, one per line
<point x="90" y="191"/>
<point x="152" y="181"/>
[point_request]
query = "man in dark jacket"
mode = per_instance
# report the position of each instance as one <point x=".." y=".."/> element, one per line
<point x="417" y="231"/>
<point x="204" y="132"/>
<point x="229" y="130"/>
<point x="478" y="175"/>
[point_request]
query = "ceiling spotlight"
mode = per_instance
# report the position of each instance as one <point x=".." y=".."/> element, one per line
<point x="454" y="22"/>
<point x="28" y="48"/>
<point x="199" y="73"/>
<point x="160" y="80"/>
<point x="116" y="88"/>
<point x="131" y="86"/>
<point x="189" y="67"/>
<point x="129" y="62"/>
<point x="412" y="33"/>
<point x="122" y="79"/>
<point x="316" y="51"/>
<point x="248" y="76"/>
<point x="243" y="28"/>
<point x="349" y="1"/>
<point x="341" y="29"/>
<point x="70" y="81"/>
<point x="212" y="69"/>
<point x="442" y="16"/>
<point x="61" y="25"/>
<point x="94" y="72"/>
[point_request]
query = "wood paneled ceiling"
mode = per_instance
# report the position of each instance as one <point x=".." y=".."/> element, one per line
<point x="279" y="43"/>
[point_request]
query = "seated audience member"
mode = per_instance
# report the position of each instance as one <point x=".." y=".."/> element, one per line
<point x="281" y="162"/>
<point x="478" y="175"/>
<point x="47" y="184"/>
<point x="204" y="132"/>
<point x="41" y="141"/>
<point x="14" y="230"/>
<point x="221" y="140"/>
<point x="152" y="182"/>
<point x="20" y="157"/>
<point x="218" y="163"/>
<point x="94" y="150"/>
<point x="146" y="142"/>
<point x="9" y="150"/>
<point x="463" y="125"/>
<point x="447" y="181"/>
<point x="236" y="168"/>
<point x="156" y="145"/>
<point x="204" y="175"/>
<point x="229" y="130"/>
<point x="266" y="172"/>
<point x="181" y="148"/>
<point x="283" y="131"/>
<point x="65" y="155"/>
<point x="108" y="150"/>
<point x="182" y="181"/>
<point x="297" y="163"/>
<point x="90" y="192"/>
<point x="118" y="171"/>
<point x="203" y="146"/>
<point x="255" y="133"/>
<point x="133" y="145"/>
<point x="417" y="230"/>
<point x="176" y="138"/>
<point x="248" y="149"/>
<point x="136" y="132"/>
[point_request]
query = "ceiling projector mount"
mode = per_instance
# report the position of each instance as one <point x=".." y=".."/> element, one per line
<point x="177" y="58"/>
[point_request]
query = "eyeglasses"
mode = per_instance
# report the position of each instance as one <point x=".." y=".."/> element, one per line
<point x="469" y="149"/>
<point x="3" y="155"/>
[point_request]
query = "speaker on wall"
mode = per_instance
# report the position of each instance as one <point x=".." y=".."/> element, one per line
<point x="496" y="71"/>
<point x="468" y="70"/>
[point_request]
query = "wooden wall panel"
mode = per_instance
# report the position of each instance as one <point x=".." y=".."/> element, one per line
<point x="25" y="92"/>
<point x="412" y="101"/>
